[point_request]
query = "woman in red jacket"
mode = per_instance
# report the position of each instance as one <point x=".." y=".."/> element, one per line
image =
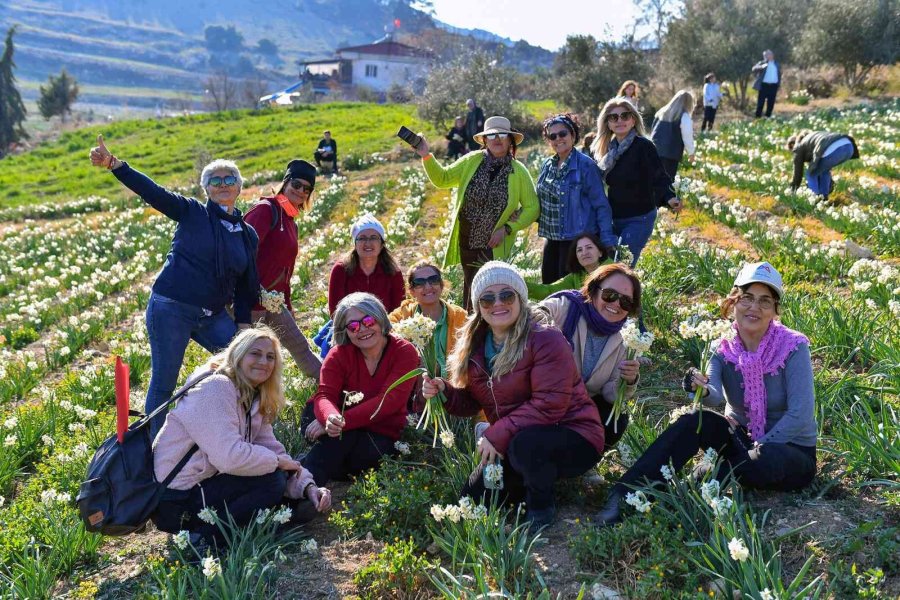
<point x="356" y="421"/>
<point x="543" y="425"/>
<point x="273" y="220"/>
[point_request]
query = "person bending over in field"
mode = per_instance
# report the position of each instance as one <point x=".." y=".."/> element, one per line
<point x="211" y="264"/>
<point x="823" y="151"/>
<point x="238" y="466"/>
<point x="763" y="373"/>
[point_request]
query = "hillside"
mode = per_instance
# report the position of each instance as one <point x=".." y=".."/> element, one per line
<point x="110" y="46"/>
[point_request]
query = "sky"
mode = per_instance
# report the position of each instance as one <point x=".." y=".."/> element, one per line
<point x="537" y="22"/>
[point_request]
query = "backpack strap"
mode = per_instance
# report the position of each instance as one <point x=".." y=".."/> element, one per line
<point x="178" y="395"/>
<point x="276" y="215"/>
<point x="181" y="464"/>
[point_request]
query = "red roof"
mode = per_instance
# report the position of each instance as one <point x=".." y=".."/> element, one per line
<point x="388" y="49"/>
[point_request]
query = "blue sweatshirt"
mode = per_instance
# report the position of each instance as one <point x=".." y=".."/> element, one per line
<point x="189" y="273"/>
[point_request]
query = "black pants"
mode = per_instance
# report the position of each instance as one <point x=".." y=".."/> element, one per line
<point x="709" y="117"/>
<point x="354" y="452"/>
<point x="783" y="467"/>
<point x="555" y="258"/>
<point x="767" y="92"/>
<point x="670" y="166"/>
<point x="471" y="262"/>
<point x="537" y="456"/>
<point x="242" y="497"/>
<point x="612" y="432"/>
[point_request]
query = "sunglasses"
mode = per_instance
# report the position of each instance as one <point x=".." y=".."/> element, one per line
<point x="506" y="297"/>
<point x="494" y="136"/>
<point x="434" y="280"/>
<point x="367" y="321"/>
<point x="626" y="302"/>
<point x="614" y="117"/>
<point x="362" y="239"/>
<point x="218" y="181"/>
<point x="562" y="134"/>
<point x="299" y="185"/>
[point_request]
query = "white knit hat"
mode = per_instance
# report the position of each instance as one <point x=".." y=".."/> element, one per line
<point x="367" y="221"/>
<point x="498" y="272"/>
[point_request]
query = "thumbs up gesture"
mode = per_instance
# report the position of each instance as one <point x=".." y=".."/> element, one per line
<point x="100" y="155"/>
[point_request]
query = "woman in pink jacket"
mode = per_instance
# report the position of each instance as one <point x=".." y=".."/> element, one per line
<point x="543" y="424"/>
<point x="236" y="464"/>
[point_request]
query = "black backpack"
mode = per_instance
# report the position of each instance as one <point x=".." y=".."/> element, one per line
<point x="120" y="491"/>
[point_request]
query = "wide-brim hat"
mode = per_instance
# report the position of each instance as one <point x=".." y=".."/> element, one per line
<point x="498" y="125"/>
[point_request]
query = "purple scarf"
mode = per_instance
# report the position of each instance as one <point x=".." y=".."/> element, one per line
<point x="774" y="349"/>
<point x="579" y="308"/>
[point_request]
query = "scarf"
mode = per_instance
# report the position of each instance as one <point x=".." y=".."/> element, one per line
<point x="616" y="149"/>
<point x="579" y="308"/>
<point x="486" y="197"/>
<point x="774" y="348"/>
<point x="288" y="208"/>
<point x="216" y="214"/>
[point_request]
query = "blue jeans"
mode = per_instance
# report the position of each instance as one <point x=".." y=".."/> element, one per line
<point x="819" y="181"/>
<point x="635" y="232"/>
<point x="171" y="325"/>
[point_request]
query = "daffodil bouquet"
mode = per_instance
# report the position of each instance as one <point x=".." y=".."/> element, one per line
<point x="272" y="301"/>
<point x="636" y="344"/>
<point x="419" y="331"/>
<point x="708" y="331"/>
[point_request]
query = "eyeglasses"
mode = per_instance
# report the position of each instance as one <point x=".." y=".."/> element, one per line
<point x="367" y="321"/>
<point x="434" y="280"/>
<point x="506" y="297"/>
<point x="217" y="181"/>
<point x="764" y="302"/>
<point x="561" y="135"/>
<point x="608" y="295"/>
<point x="494" y="136"/>
<point x="625" y="116"/>
<point x="362" y="239"/>
<point x="297" y="184"/>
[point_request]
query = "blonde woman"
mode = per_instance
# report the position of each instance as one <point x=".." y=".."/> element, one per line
<point x="673" y="131"/>
<point x="543" y="425"/>
<point x="632" y="91"/>
<point x="225" y="424"/>
<point x="637" y="184"/>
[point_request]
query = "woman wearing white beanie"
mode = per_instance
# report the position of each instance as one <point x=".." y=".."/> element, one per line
<point x="543" y="425"/>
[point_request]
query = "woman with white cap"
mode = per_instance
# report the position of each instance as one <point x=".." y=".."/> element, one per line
<point x="495" y="198"/>
<point x="763" y="372"/>
<point x="543" y="425"/>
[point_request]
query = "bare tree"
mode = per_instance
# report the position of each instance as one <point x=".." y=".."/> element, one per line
<point x="221" y="91"/>
<point x="656" y="15"/>
<point x="252" y="90"/>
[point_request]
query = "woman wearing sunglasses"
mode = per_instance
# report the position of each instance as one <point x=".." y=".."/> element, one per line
<point x="591" y="318"/>
<point x="273" y="218"/>
<point x="637" y="184"/>
<point x="357" y="420"/>
<point x="763" y="373"/>
<point x="210" y="265"/>
<point x="426" y="284"/>
<point x="543" y="426"/>
<point x="572" y="199"/>
<point x="495" y="198"/>
<point x="585" y="254"/>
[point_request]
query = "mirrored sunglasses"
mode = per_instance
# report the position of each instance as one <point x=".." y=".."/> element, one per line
<point x="367" y="321"/>
<point x="218" y="181"/>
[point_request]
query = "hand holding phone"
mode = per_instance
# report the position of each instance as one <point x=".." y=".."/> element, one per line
<point x="406" y="134"/>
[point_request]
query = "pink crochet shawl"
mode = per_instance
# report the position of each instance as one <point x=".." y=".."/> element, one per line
<point x="774" y="349"/>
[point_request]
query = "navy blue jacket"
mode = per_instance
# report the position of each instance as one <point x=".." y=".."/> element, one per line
<point x="189" y="273"/>
<point x="666" y="136"/>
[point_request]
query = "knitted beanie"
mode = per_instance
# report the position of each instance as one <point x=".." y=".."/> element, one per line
<point x="367" y="221"/>
<point x="300" y="169"/>
<point x="498" y="272"/>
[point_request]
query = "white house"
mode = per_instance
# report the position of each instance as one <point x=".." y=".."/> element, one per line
<point x="377" y="66"/>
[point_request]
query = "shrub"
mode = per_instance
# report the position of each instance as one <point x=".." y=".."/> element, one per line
<point x="397" y="572"/>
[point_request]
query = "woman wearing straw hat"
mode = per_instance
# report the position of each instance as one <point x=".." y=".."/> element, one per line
<point x="492" y="187"/>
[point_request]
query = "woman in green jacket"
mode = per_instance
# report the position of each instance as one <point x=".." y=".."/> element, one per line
<point x="585" y="254"/>
<point x="495" y="198"/>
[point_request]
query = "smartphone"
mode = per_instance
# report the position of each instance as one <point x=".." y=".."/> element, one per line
<point x="406" y="134"/>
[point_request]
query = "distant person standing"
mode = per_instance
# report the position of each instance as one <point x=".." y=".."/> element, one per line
<point x="823" y="150"/>
<point x="712" y="95"/>
<point x="456" y="139"/>
<point x="768" y="78"/>
<point x="673" y="131"/>
<point x="632" y="91"/>
<point x="474" y="124"/>
<point x="326" y="152"/>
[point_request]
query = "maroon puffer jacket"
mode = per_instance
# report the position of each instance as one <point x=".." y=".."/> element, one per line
<point x="544" y="388"/>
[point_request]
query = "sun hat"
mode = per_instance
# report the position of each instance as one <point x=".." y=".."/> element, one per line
<point x="498" y="124"/>
<point x="760" y="272"/>
<point x="496" y="272"/>
<point x="300" y="169"/>
<point x="367" y="221"/>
